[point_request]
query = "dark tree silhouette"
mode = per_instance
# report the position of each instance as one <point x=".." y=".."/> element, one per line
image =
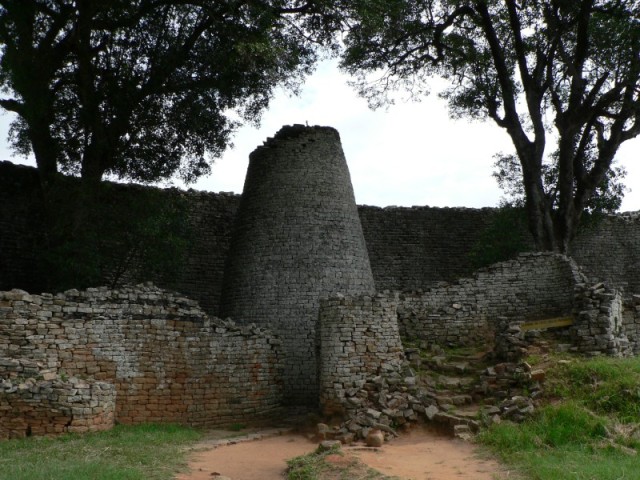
<point x="143" y="89"/>
<point x="531" y="66"/>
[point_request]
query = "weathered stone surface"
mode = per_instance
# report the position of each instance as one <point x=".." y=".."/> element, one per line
<point x="464" y="313"/>
<point x="297" y="239"/>
<point x="166" y="360"/>
<point x="375" y="438"/>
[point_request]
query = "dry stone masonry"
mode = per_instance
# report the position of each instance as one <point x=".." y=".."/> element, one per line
<point x="358" y="339"/>
<point x="409" y="248"/>
<point x="532" y="286"/>
<point x="296" y="264"/>
<point x="157" y="354"/>
<point x="297" y="238"/>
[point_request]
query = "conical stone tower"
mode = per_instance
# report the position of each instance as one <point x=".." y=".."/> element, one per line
<point x="297" y="239"/>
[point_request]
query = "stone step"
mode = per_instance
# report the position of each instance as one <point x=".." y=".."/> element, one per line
<point x="449" y="421"/>
<point x="434" y="364"/>
<point x="456" y="400"/>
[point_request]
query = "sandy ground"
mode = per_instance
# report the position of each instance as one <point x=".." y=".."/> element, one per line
<point x="419" y="455"/>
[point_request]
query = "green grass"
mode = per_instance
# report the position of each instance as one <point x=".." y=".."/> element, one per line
<point x="142" y="452"/>
<point x="590" y="430"/>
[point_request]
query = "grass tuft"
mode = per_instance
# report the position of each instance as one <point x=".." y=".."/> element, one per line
<point x="589" y="430"/>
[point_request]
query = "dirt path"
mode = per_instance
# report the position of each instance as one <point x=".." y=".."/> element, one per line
<point x="420" y="455"/>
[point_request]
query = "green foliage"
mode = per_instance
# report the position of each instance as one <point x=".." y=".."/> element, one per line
<point x="504" y="238"/>
<point x="132" y="235"/>
<point x="142" y="89"/>
<point x="552" y="426"/>
<point x="579" y="435"/>
<point x="607" y="197"/>
<point x="606" y="386"/>
<point x="561" y="77"/>
<point x="142" y="452"/>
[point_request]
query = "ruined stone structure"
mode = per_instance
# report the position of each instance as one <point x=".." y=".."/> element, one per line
<point x="155" y="353"/>
<point x="409" y="248"/>
<point x="313" y="322"/>
<point x="297" y="239"/>
<point x="532" y="286"/>
<point x="358" y="338"/>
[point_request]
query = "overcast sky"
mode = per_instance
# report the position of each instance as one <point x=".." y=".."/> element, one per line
<point x="409" y="154"/>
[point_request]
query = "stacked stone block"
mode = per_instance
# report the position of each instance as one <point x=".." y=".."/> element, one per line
<point x="409" y="248"/>
<point x="599" y="326"/>
<point x="532" y="286"/>
<point x="608" y="249"/>
<point x="417" y="247"/>
<point x="631" y="322"/>
<point x="168" y="361"/>
<point x="358" y="339"/>
<point x="51" y="407"/>
<point x="297" y="238"/>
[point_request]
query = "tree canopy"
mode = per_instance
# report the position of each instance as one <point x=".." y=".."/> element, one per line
<point x="561" y="77"/>
<point x="143" y="89"/>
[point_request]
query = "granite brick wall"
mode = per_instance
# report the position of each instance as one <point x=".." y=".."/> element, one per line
<point x="52" y="407"/>
<point x="168" y="361"/>
<point x="609" y="251"/>
<point x="20" y="227"/>
<point x="297" y="239"/>
<point x="412" y="248"/>
<point x="532" y="286"/>
<point x="357" y="340"/>
<point x="409" y="248"/>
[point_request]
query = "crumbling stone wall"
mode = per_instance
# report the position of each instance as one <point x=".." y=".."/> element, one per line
<point x="358" y="339"/>
<point x="53" y="405"/>
<point x="168" y="361"/>
<point x="599" y="324"/>
<point x="297" y="238"/>
<point x="532" y="286"/>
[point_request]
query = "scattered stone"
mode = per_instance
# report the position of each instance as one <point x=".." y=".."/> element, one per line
<point x="375" y="438"/>
<point x="329" y="444"/>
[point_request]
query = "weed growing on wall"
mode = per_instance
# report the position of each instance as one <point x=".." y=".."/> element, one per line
<point x="504" y="238"/>
<point x="123" y="235"/>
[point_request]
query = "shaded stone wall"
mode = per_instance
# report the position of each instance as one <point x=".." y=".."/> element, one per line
<point x="532" y="286"/>
<point x="20" y="226"/>
<point x="409" y="248"/>
<point x="609" y="251"/>
<point x="210" y="219"/>
<point x="412" y="248"/>
<point x="297" y="239"/>
<point x="358" y="339"/>
<point x="168" y="361"/>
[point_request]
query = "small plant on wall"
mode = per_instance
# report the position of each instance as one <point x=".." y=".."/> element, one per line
<point x="130" y="235"/>
<point x="505" y="237"/>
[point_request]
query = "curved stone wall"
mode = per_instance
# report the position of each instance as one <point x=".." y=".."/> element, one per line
<point x="358" y="339"/>
<point x="532" y="286"/>
<point x="168" y="361"/>
<point x="297" y="239"/>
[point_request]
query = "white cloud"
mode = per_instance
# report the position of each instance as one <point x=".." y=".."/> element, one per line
<point x="410" y="154"/>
